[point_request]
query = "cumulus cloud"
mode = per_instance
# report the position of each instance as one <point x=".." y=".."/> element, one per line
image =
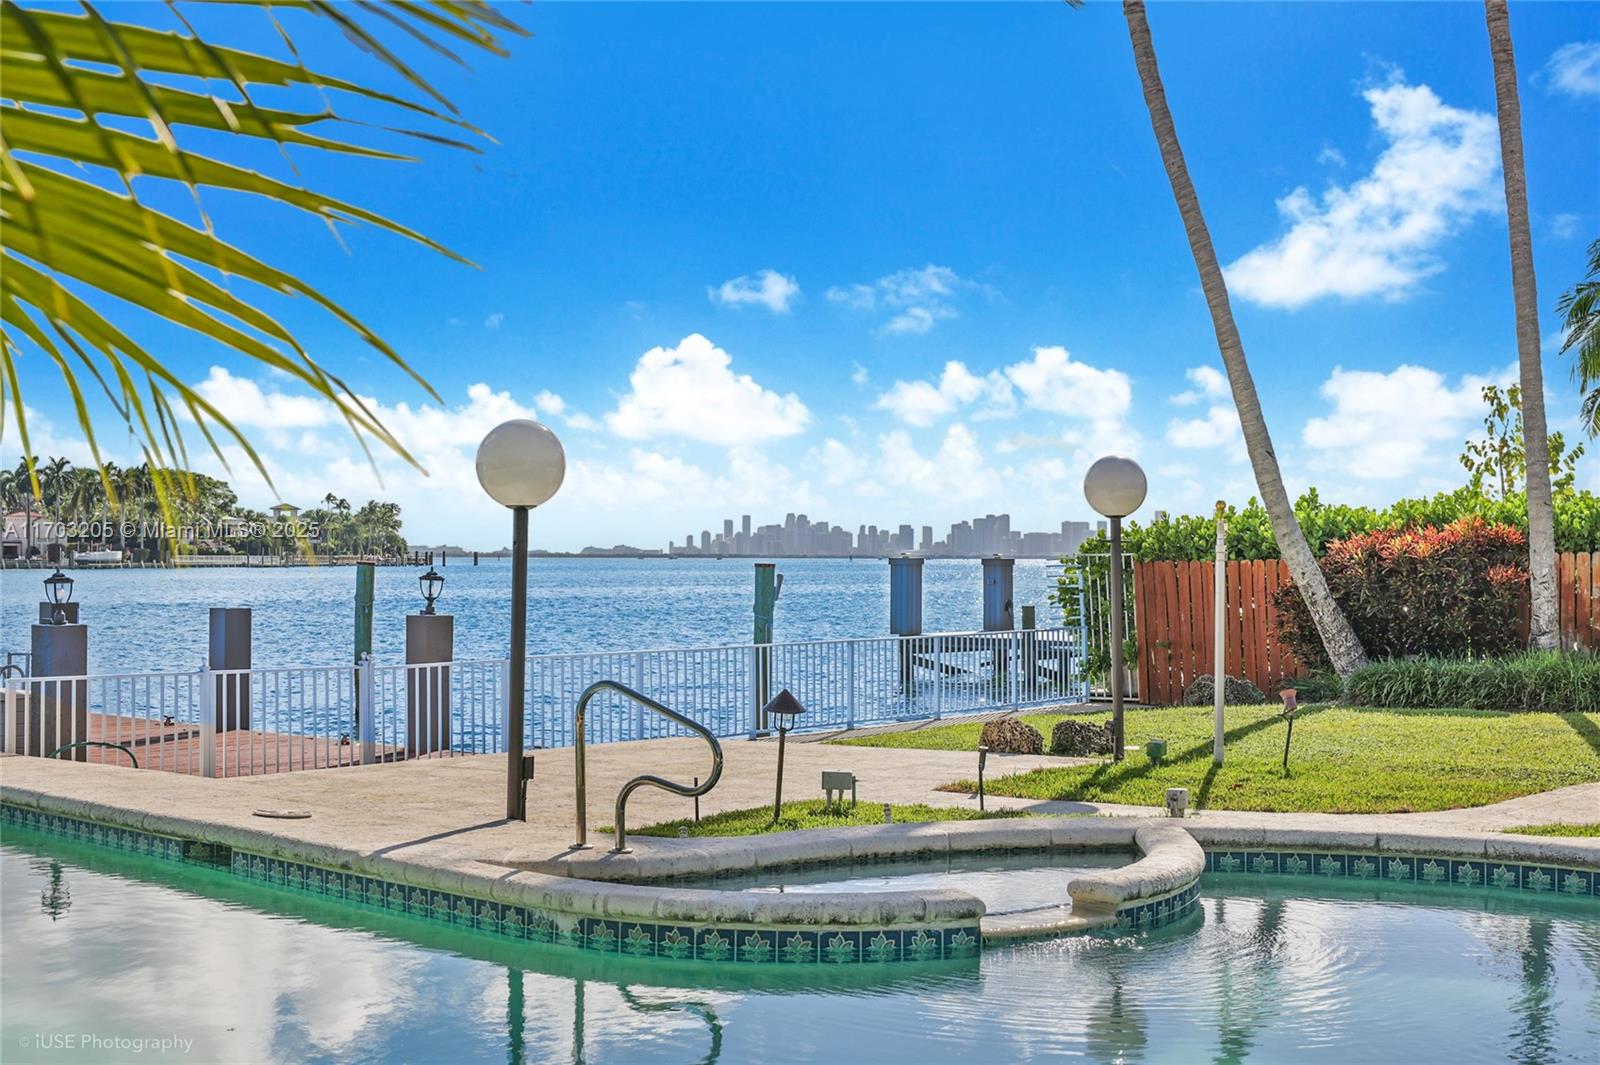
<point x="767" y="288"/>
<point x="1390" y="425"/>
<point x="1574" y="69"/>
<point x="553" y="405"/>
<point x="1055" y="382"/>
<point x="494" y="320"/>
<point x="1219" y="426"/>
<point x="1565" y="226"/>
<point x="244" y="403"/>
<point x="914" y="299"/>
<point x="957" y="470"/>
<point x="690" y="391"/>
<point x="921" y="403"/>
<point x="1209" y="383"/>
<point x="1375" y="237"/>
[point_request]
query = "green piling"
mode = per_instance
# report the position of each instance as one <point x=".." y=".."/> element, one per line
<point x="766" y="605"/>
<point x="365" y="574"/>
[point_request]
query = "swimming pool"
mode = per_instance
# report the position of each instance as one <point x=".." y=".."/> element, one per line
<point x="106" y="949"/>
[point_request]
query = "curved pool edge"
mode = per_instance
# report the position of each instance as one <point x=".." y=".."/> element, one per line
<point x="650" y="920"/>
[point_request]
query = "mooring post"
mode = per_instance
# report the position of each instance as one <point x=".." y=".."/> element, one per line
<point x="905" y="610"/>
<point x="766" y="602"/>
<point x="365" y="577"/>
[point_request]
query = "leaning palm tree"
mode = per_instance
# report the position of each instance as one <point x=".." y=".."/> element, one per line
<point x="1544" y="621"/>
<point x="1579" y="308"/>
<point x="79" y="239"/>
<point x="1338" y="638"/>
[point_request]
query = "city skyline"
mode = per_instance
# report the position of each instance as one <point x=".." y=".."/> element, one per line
<point x="800" y="537"/>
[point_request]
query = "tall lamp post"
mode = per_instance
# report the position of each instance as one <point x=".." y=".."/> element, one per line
<point x="1115" y="486"/>
<point x="520" y="464"/>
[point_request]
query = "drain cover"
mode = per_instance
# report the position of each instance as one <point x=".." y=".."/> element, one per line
<point x="283" y="815"/>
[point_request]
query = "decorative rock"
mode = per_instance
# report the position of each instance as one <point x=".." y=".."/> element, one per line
<point x="1007" y="735"/>
<point x="1236" y="691"/>
<point x="1080" y="739"/>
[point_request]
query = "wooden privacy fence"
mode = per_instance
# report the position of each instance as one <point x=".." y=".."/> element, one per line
<point x="1173" y="604"/>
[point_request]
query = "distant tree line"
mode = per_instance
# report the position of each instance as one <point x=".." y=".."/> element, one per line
<point x="122" y="508"/>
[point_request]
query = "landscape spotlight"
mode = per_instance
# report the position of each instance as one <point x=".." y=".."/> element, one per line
<point x="432" y="587"/>
<point x="521" y="464"/>
<point x="1116" y="486"/>
<point x="58" y="590"/>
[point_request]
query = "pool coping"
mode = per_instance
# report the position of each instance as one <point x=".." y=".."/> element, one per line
<point x="609" y="908"/>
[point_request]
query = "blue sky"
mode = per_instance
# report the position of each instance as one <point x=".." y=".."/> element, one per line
<point x="911" y="263"/>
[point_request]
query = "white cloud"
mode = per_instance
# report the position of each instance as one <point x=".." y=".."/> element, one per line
<point x="839" y="464"/>
<point x="766" y="288"/>
<point x="494" y="320"/>
<point x="858" y="375"/>
<point x="1565" y="226"/>
<point x="921" y="402"/>
<point x="549" y="403"/>
<point x="1209" y="383"/>
<point x="1391" y="425"/>
<point x="957" y="470"/>
<point x="553" y="405"/>
<point x="690" y="391"/>
<point x="1054" y="382"/>
<point x="1330" y="156"/>
<point x="1574" y="69"/>
<point x="244" y="403"/>
<point x="1220" y="426"/>
<point x="1375" y="237"/>
<point x="915" y="299"/>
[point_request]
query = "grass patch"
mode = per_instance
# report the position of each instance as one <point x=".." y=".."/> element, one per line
<point x="812" y="813"/>
<point x="1590" y="829"/>
<point x="961" y="736"/>
<point x="1344" y="759"/>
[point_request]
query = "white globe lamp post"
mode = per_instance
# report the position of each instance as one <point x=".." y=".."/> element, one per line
<point x="521" y="465"/>
<point x="1115" y="486"/>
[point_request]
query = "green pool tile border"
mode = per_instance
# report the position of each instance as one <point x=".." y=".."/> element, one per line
<point x="679" y="941"/>
<point x="1481" y="874"/>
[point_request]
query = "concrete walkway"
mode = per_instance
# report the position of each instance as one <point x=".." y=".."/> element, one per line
<point x="452" y="810"/>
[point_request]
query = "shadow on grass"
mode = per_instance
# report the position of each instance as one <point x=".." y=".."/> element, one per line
<point x="1586" y="729"/>
<point x="1112" y="776"/>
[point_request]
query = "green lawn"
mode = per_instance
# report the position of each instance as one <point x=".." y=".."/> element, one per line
<point x="1591" y="829"/>
<point x="810" y="814"/>
<point x="1344" y="760"/>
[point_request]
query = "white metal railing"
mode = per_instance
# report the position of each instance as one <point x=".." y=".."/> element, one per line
<point x="274" y="720"/>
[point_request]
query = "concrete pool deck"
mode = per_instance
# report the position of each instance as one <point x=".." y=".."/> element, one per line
<point x="438" y="824"/>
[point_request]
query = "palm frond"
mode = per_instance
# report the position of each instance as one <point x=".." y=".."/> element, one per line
<point x="73" y="228"/>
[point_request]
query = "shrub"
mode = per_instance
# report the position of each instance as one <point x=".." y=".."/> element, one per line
<point x="1007" y="735"/>
<point x="1552" y="681"/>
<point x="1080" y="739"/>
<point x="1446" y="592"/>
<point x="1236" y="691"/>
<point x="1316" y="687"/>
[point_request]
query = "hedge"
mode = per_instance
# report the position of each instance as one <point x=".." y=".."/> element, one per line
<point x="1552" y="681"/>
<point x="1192" y="538"/>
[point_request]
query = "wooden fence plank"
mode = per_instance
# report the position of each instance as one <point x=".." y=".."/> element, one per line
<point x="1564" y="589"/>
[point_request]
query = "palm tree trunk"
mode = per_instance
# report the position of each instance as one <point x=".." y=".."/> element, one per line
<point x="1544" y="628"/>
<point x="1338" y="638"/>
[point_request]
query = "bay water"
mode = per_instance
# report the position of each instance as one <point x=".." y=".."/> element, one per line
<point x="147" y="620"/>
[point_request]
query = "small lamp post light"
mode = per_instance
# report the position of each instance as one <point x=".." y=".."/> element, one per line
<point x="521" y="464"/>
<point x="58" y="590"/>
<point x="781" y="710"/>
<point x="1116" y="486"/>
<point x="1290" y="704"/>
<point x="432" y="588"/>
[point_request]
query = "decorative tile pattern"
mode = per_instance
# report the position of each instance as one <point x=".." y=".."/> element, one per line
<point x="1153" y="913"/>
<point x="1409" y="868"/>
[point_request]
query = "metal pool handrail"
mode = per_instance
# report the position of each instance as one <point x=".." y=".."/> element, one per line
<point x="687" y="791"/>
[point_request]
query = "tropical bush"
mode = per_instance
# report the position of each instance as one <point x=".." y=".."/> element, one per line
<point x="1236" y="691"/>
<point x="1451" y="591"/>
<point x="1190" y="537"/>
<point x="1551" y="681"/>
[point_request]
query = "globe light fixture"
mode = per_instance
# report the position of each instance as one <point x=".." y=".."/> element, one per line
<point x="521" y="465"/>
<point x="432" y="587"/>
<point x="1115" y="486"/>
<point x="58" y="591"/>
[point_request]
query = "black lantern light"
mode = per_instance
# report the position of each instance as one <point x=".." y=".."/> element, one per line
<point x="783" y="709"/>
<point x="58" y="591"/>
<point x="432" y="588"/>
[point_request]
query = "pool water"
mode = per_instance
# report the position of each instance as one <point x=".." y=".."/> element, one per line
<point x="1005" y="882"/>
<point x="102" y="953"/>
